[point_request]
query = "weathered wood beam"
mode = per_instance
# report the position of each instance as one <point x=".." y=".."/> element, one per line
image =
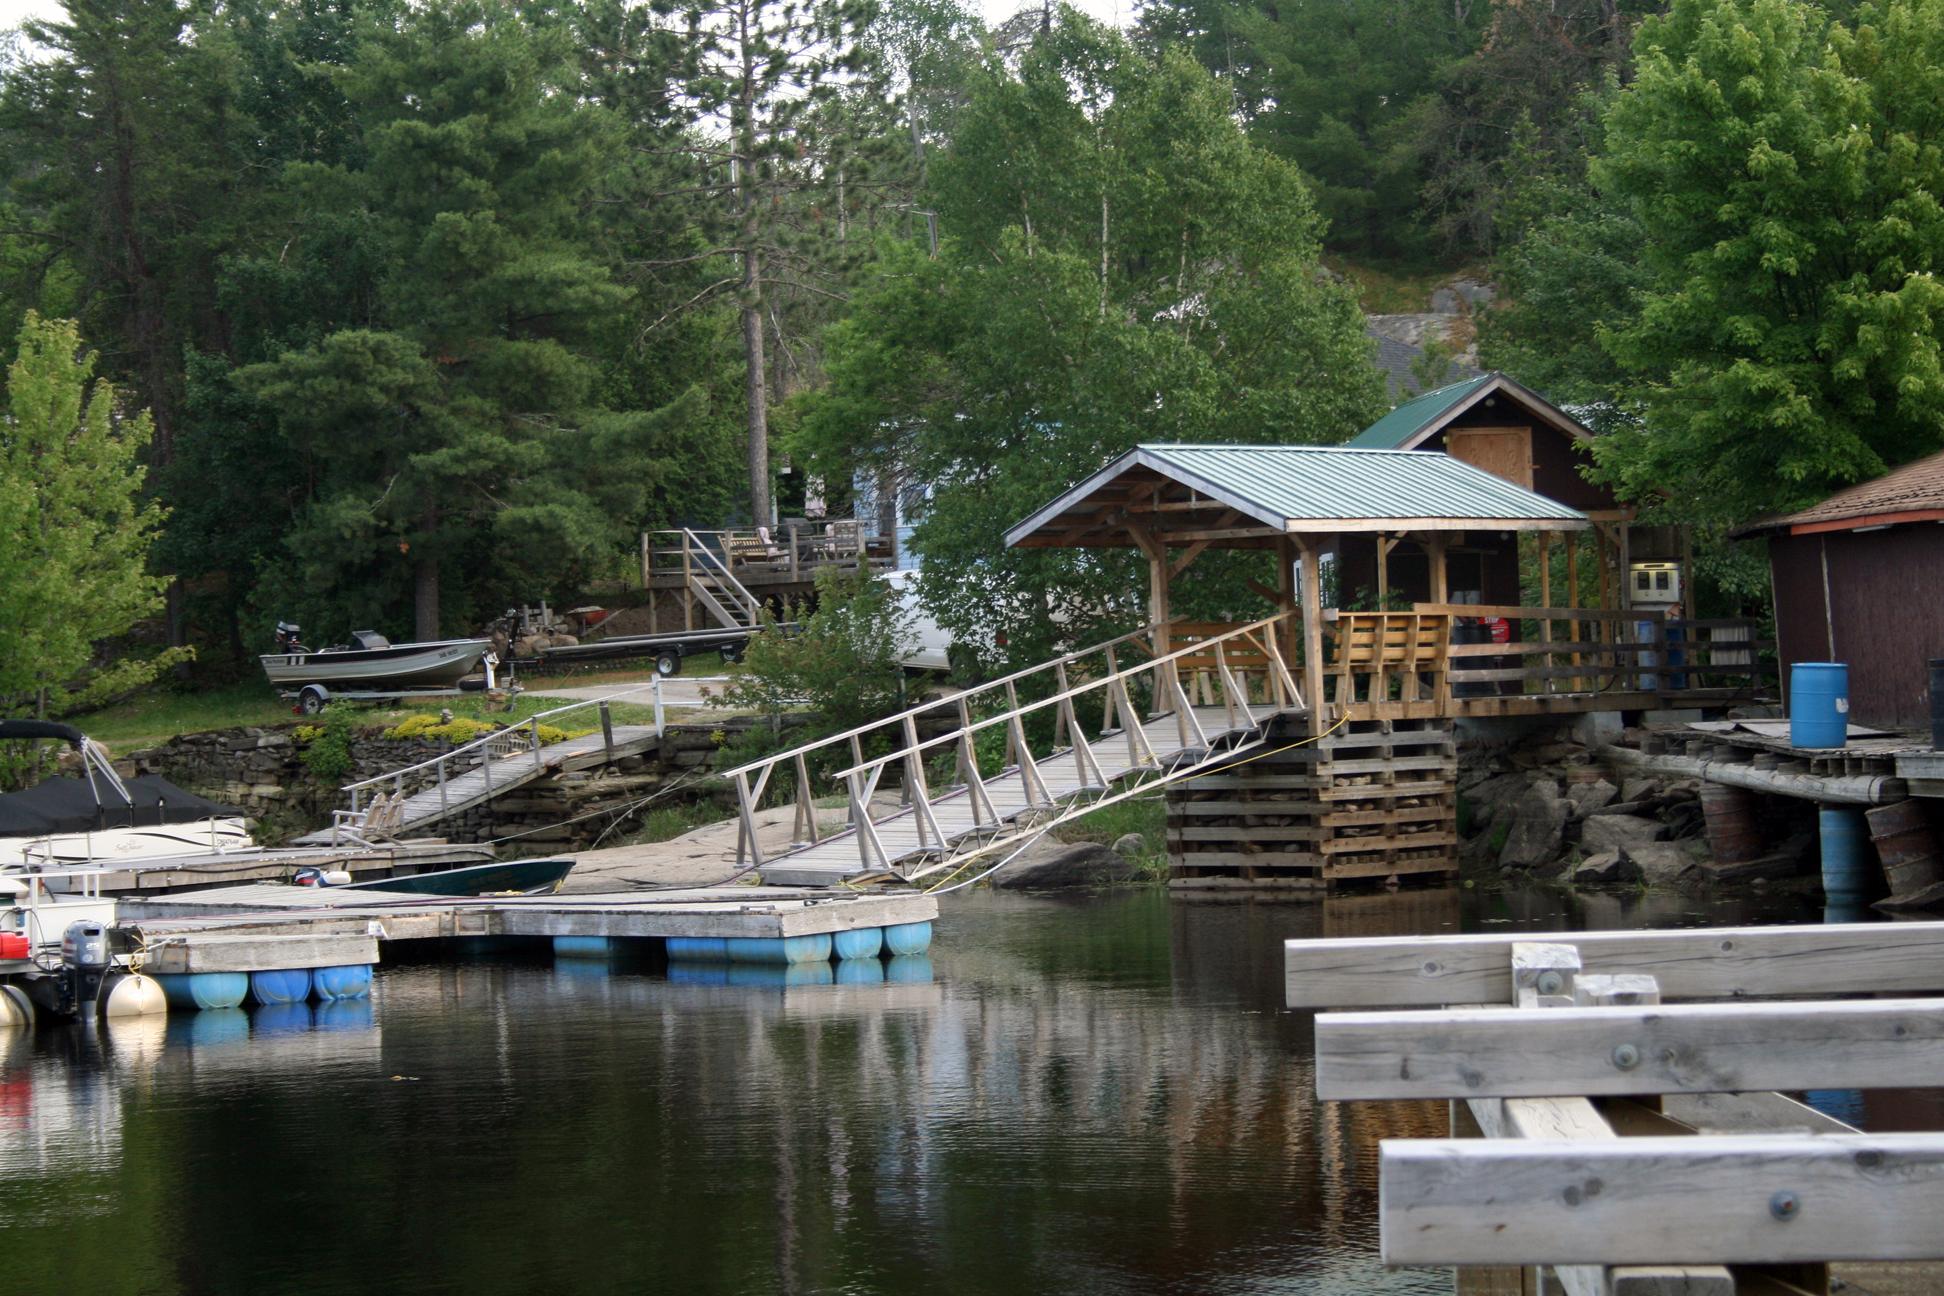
<point x="1663" y="1200"/>
<point x="1681" y="1048"/>
<point x="1715" y="962"/>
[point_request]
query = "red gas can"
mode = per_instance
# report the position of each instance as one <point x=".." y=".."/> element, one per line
<point x="14" y="947"/>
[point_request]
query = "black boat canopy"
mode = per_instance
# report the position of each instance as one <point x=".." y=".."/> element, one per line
<point x="65" y="805"/>
<point x="31" y="729"/>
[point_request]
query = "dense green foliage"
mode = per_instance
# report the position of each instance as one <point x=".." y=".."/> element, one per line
<point x="1753" y="258"/>
<point x="1123" y="265"/>
<point x="435" y="307"/>
<point x="74" y="528"/>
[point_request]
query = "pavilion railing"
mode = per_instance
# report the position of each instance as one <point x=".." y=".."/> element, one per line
<point x="1598" y="650"/>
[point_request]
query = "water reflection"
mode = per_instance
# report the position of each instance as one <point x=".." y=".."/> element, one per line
<point x="1096" y="1096"/>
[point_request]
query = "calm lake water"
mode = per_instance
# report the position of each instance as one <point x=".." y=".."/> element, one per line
<point x="1090" y="1096"/>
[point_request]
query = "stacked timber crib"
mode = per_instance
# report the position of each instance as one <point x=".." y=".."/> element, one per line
<point x="1370" y="802"/>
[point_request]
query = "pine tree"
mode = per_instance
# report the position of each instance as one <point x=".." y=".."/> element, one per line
<point x="74" y="528"/>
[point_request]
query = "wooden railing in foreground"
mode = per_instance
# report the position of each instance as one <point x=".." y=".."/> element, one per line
<point x="1090" y="758"/>
<point x="1675" y="1167"/>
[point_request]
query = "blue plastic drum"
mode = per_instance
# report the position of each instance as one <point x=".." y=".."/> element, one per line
<point x="281" y="986"/>
<point x="1818" y="704"/>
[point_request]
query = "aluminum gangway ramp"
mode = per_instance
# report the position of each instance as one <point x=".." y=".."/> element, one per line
<point x="1210" y="696"/>
<point x="479" y="771"/>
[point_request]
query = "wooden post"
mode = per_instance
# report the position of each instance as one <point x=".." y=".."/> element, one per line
<point x="1286" y="561"/>
<point x="796" y="547"/>
<point x="688" y="591"/>
<point x="1624" y="564"/>
<point x="647" y="554"/>
<point x="1573" y="599"/>
<point x="1312" y="597"/>
<point x="1435" y="549"/>
<point x="1383" y="570"/>
<point x="1545" y="601"/>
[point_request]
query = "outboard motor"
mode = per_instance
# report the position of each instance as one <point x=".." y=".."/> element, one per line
<point x="84" y="963"/>
<point x="289" y="637"/>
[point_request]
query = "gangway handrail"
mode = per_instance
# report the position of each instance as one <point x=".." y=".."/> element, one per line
<point x="862" y="777"/>
<point x="950" y="699"/>
<point x="527" y="729"/>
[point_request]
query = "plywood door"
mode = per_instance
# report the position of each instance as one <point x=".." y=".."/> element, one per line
<point x="1503" y="452"/>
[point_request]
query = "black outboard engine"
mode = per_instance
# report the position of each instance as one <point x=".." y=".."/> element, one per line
<point x="288" y="637"/>
<point x="84" y="964"/>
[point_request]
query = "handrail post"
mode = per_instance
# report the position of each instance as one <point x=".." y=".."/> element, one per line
<point x="607" y="730"/>
<point x="443" y="805"/>
<point x="661" y="723"/>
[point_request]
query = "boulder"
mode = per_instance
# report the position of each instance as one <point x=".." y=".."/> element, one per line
<point x="1538" y="827"/>
<point x="1662" y="863"/>
<point x="1130" y="846"/>
<point x="1589" y="797"/>
<point x="1639" y="789"/>
<point x="1610" y="832"/>
<point x="1054" y="865"/>
<point x="1608" y="868"/>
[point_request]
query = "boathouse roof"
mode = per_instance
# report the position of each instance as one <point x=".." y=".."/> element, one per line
<point x="1417" y="420"/>
<point x="1912" y="493"/>
<point x="1243" y="496"/>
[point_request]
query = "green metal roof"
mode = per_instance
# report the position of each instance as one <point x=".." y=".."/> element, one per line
<point x="1319" y="488"/>
<point x="1401" y="424"/>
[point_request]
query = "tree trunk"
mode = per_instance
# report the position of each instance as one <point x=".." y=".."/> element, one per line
<point x="425" y="600"/>
<point x="887" y="508"/>
<point x="750" y="299"/>
<point x="756" y="388"/>
<point x="425" y="587"/>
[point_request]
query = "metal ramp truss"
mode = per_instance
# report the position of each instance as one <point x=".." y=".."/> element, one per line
<point x="1165" y="718"/>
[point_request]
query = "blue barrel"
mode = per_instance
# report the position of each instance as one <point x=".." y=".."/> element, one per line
<point x="1847" y="855"/>
<point x="281" y="985"/>
<point x="1818" y="704"/>
<point x="908" y="938"/>
<point x="205" y="990"/>
<point x="860" y="943"/>
<point x="697" y="949"/>
<point x="349" y="981"/>
<point x="780" y="949"/>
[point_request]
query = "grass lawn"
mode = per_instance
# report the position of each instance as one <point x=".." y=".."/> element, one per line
<point x="159" y="714"/>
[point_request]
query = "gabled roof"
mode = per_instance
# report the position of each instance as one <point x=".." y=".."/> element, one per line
<point x="1912" y="493"/>
<point x="1280" y="489"/>
<point x="1417" y="421"/>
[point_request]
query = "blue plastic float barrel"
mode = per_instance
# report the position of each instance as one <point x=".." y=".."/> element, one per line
<point x="281" y="985"/>
<point x="1846" y="855"/>
<point x="1818" y="704"/>
<point x="697" y="949"/>
<point x="860" y="943"/>
<point x="780" y="949"/>
<point x="202" y="991"/>
<point x="593" y="947"/>
<point x="350" y="981"/>
<point x="908" y="938"/>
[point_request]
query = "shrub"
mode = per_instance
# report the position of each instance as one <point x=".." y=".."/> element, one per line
<point x="328" y="754"/>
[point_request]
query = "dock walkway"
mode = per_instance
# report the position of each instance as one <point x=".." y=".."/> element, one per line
<point x="257" y="927"/>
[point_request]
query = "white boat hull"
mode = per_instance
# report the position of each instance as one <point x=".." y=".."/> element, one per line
<point x="123" y="847"/>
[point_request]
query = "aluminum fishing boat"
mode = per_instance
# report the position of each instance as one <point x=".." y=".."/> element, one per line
<point x="373" y="663"/>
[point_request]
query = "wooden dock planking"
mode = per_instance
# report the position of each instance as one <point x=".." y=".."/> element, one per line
<point x="243" y="867"/>
<point x="837" y="858"/>
<point x="705" y="912"/>
<point x="1679" y="1048"/>
<point x="1416" y="971"/>
<point x="1695" y="1199"/>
